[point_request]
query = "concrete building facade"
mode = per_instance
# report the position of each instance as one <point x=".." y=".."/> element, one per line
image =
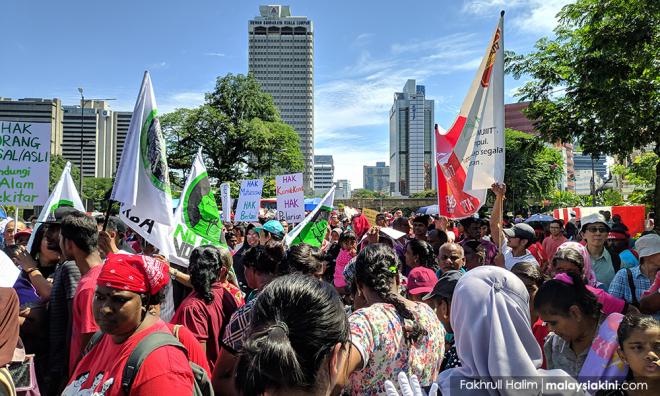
<point x="411" y="141"/>
<point x="343" y="190"/>
<point x="281" y="58"/>
<point x="324" y="173"/>
<point x="376" y="178"/>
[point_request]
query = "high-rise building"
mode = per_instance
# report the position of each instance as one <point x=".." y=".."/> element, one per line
<point x="37" y="110"/>
<point x="586" y="170"/>
<point x="281" y="58"/>
<point x="121" y="122"/>
<point x="343" y="189"/>
<point x="324" y="173"/>
<point x="411" y="141"/>
<point x="376" y="178"/>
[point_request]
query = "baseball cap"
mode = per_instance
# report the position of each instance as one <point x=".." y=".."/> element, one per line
<point x="59" y="214"/>
<point x="522" y="231"/>
<point x="618" y="232"/>
<point x="444" y="287"/>
<point x="274" y="227"/>
<point x="592" y="219"/>
<point x="648" y="245"/>
<point x="421" y="280"/>
<point x="24" y="232"/>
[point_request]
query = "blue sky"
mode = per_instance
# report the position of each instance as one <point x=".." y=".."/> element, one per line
<point x="364" y="52"/>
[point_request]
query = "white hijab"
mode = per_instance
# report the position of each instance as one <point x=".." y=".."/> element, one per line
<point x="490" y="318"/>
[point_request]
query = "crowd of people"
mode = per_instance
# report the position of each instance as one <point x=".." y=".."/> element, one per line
<point x="419" y="304"/>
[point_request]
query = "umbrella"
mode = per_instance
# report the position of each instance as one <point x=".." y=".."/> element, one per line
<point x="540" y="218"/>
<point x="310" y="203"/>
<point x="431" y="209"/>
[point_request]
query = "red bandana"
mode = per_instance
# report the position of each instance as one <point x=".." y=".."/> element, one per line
<point x="132" y="272"/>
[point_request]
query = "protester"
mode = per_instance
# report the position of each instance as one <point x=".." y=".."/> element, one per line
<point x="262" y="265"/>
<point x="381" y="220"/>
<point x="79" y="242"/>
<point x="437" y="238"/>
<point x="239" y="233"/>
<point x="573" y="316"/>
<point x="440" y="299"/>
<point x="40" y="263"/>
<point x="348" y="244"/>
<point x="9" y="329"/>
<point x="12" y="227"/>
<point x="472" y="232"/>
<point x="551" y="243"/>
<point x="419" y="282"/>
<point x="489" y="306"/>
<point x="630" y="283"/>
<point x="390" y="334"/>
<point x="124" y="308"/>
<point x="359" y="225"/>
<point x="271" y="230"/>
<point x="420" y="253"/>
<point x="420" y="226"/>
<point x="604" y="262"/>
<point x="618" y="242"/>
<point x="21" y="238"/>
<point x="206" y="311"/>
<point x="251" y="240"/>
<point x="298" y="340"/>
<point x="306" y="259"/>
<point x="475" y="254"/>
<point x="451" y="257"/>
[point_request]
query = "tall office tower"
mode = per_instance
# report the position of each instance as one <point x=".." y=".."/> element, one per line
<point x="281" y="58"/>
<point x="324" y="173"/>
<point x="343" y="190"/>
<point x="376" y="178"/>
<point x="36" y="110"/>
<point x="411" y="141"/>
<point x="122" y="120"/>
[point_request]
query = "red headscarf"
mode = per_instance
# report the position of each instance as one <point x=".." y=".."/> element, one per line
<point x="132" y="272"/>
<point x="360" y="225"/>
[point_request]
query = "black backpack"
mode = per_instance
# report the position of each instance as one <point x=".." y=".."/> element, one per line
<point x="201" y="384"/>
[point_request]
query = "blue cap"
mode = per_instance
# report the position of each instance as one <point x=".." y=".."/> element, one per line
<point x="274" y="227"/>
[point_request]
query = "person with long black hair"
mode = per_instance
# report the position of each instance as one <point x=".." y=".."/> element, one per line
<point x="390" y="334"/>
<point x="420" y="254"/>
<point x="206" y="311"/>
<point x="298" y="339"/>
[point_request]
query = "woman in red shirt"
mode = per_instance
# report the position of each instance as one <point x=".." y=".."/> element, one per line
<point x="127" y="292"/>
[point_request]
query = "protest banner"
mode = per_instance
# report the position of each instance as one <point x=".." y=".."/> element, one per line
<point x="24" y="163"/>
<point x="197" y="218"/>
<point x="470" y="157"/>
<point x="248" y="200"/>
<point x="370" y="214"/>
<point x="313" y="228"/>
<point x="225" y="198"/>
<point x="64" y="194"/>
<point x="142" y="184"/>
<point x="290" y="197"/>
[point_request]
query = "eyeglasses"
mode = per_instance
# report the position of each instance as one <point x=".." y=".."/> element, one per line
<point x="597" y="229"/>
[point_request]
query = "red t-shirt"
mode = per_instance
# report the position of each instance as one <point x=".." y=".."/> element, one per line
<point x="540" y="332"/>
<point x="195" y="352"/>
<point x="551" y="245"/>
<point x="165" y="371"/>
<point x="83" y="317"/>
<point x="207" y="321"/>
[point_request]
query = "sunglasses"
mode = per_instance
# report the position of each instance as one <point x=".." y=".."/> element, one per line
<point x="597" y="229"/>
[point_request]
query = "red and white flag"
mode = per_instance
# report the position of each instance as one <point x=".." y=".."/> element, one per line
<point x="470" y="157"/>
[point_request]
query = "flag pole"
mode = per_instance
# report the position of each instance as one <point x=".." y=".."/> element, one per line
<point x="107" y="210"/>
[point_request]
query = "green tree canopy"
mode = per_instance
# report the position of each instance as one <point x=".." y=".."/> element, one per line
<point x="239" y="130"/>
<point x="641" y="173"/>
<point x="57" y="164"/>
<point x="598" y="81"/>
<point x="532" y="169"/>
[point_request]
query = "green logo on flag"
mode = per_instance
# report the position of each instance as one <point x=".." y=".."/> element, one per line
<point x="152" y="152"/>
<point x="200" y="211"/>
<point x="61" y="203"/>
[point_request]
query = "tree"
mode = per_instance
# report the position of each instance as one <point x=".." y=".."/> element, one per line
<point x="425" y="194"/>
<point x="597" y="82"/>
<point x="57" y="164"/>
<point x="96" y="189"/>
<point x="239" y="130"/>
<point x="642" y="175"/>
<point x="364" y="193"/>
<point x="532" y="169"/>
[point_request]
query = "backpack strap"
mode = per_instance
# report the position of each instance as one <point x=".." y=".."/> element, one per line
<point x="96" y="337"/>
<point x="631" y="285"/>
<point x="147" y="345"/>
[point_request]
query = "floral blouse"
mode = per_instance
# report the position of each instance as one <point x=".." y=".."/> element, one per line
<point x="376" y="331"/>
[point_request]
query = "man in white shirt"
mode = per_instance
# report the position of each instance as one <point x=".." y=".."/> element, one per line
<point x="512" y="242"/>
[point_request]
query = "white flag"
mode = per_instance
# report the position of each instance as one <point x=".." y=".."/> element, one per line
<point x="470" y="156"/>
<point x="313" y="228"/>
<point x="64" y="194"/>
<point x="142" y="184"/>
<point x="225" y="197"/>
<point x="197" y="216"/>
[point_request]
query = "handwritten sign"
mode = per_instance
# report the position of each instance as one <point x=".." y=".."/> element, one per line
<point x="290" y="197"/>
<point x="24" y="163"/>
<point x="225" y="198"/>
<point x="248" y="200"/>
<point x="370" y="214"/>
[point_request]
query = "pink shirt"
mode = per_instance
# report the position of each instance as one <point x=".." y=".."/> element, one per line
<point x="342" y="259"/>
<point x="551" y="245"/>
<point x="610" y="303"/>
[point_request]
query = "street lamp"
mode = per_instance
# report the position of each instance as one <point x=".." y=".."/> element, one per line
<point x="82" y="112"/>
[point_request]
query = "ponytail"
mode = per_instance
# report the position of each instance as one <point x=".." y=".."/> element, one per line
<point x="375" y="267"/>
<point x="205" y="263"/>
<point x="297" y="321"/>
<point x="558" y="295"/>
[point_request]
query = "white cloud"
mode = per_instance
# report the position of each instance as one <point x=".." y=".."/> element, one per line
<point x="219" y="54"/>
<point x="531" y="16"/>
<point x="180" y="100"/>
